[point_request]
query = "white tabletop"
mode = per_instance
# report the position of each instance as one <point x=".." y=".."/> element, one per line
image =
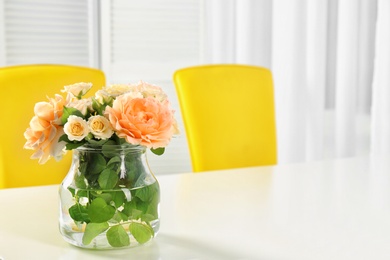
<point x="322" y="210"/>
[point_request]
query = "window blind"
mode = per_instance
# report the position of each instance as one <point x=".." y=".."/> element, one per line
<point x="46" y="31"/>
<point x="150" y="39"/>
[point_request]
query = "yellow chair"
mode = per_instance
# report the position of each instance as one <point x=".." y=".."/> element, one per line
<point x="228" y="114"/>
<point x="21" y="87"/>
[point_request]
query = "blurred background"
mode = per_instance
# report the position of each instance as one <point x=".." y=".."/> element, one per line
<point x="330" y="59"/>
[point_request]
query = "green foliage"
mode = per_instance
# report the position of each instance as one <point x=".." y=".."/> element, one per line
<point x="70" y="145"/>
<point x="96" y="142"/>
<point x="158" y="151"/>
<point x="99" y="211"/>
<point x="106" y="201"/>
<point x="142" y="232"/>
<point x="79" y="213"/>
<point x="118" y="198"/>
<point x="109" y="149"/>
<point x="108" y="179"/>
<point x="70" y="111"/>
<point x="98" y="165"/>
<point x="117" y="236"/>
<point x="80" y="181"/>
<point x="114" y="162"/>
<point x="106" y="196"/>
<point x="92" y="230"/>
<point x="72" y="191"/>
<point x="152" y="209"/>
<point x="99" y="108"/>
<point x="147" y="193"/>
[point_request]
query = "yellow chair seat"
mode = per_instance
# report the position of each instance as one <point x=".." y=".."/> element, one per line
<point x="228" y="114"/>
<point x="21" y="88"/>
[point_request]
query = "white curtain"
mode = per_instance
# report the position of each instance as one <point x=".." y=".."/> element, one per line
<point x="380" y="138"/>
<point x="329" y="60"/>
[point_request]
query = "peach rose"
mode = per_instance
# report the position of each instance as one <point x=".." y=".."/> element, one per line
<point x="100" y="127"/>
<point x="144" y="121"/>
<point x="45" y="130"/>
<point x="76" y="128"/>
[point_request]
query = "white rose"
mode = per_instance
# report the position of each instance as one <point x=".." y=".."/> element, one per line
<point x="83" y="105"/>
<point x="100" y="127"/>
<point x="150" y="90"/>
<point x="102" y="97"/>
<point x="76" y="128"/>
<point x="77" y="90"/>
<point x="118" y="89"/>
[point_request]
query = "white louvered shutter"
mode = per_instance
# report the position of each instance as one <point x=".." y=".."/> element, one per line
<point x="46" y="31"/>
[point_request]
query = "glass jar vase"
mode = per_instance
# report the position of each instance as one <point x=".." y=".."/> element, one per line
<point x="109" y="198"/>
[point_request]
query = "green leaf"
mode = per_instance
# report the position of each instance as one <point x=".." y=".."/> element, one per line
<point x="118" y="198"/>
<point x="119" y="216"/>
<point x="79" y="213"/>
<point x="97" y="163"/>
<point x="108" y="179"/>
<point x="93" y="230"/>
<point x="128" y="207"/>
<point x="158" y="151"/>
<point x="64" y="138"/>
<point x="80" y="181"/>
<point x="141" y="232"/>
<point x="121" y="140"/>
<point x="109" y="149"/>
<point x="131" y="168"/>
<point x="69" y="111"/>
<point x="146" y="193"/>
<point x="117" y="236"/>
<point x="82" y="193"/>
<point x="83" y="167"/>
<point x="148" y="217"/>
<point x="135" y="214"/>
<point x="97" y="142"/>
<point x="72" y="191"/>
<point x="116" y="218"/>
<point x="143" y="206"/>
<point x="153" y="207"/>
<point x="114" y="160"/>
<point x="123" y="216"/>
<point x="114" y="164"/>
<point x="71" y="146"/>
<point x="106" y="196"/>
<point x="97" y="106"/>
<point x="99" y="211"/>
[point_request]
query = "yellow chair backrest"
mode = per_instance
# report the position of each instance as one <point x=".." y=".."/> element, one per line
<point x="21" y="88"/>
<point x="228" y="114"/>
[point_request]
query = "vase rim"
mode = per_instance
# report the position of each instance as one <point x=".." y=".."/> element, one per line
<point x="116" y="147"/>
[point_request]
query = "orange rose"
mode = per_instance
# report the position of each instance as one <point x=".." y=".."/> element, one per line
<point x="144" y="121"/>
<point x="45" y="130"/>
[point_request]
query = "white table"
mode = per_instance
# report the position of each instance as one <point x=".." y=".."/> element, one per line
<point x="322" y="210"/>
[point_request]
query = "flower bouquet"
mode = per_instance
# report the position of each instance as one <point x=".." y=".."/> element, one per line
<point x="109" y="198"/>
